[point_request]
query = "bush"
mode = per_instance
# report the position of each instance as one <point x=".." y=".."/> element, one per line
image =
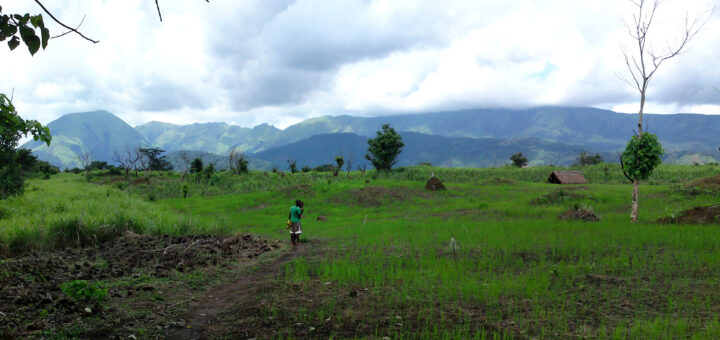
<point x="82" y="291"/>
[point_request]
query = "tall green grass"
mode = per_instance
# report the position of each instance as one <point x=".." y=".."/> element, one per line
<point x="66" y="210"/>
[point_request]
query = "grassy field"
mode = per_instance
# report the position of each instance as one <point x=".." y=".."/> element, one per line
<point x="486" y="258"/>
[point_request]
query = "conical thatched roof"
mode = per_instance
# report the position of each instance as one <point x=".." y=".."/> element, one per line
<point x="567" y="177"/>
<point x="434" y="184"/>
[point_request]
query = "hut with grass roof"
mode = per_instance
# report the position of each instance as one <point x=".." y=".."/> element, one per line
<point x="567" y="177"/>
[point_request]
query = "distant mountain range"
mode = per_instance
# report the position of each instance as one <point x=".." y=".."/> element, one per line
<point x="478" y="137"/>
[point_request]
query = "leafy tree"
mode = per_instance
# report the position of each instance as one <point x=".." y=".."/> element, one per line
<point x="339" y="161"/>
<point x="641" y="156"/>
<point x="384" y="148"/>
<point x="519" y="160"/>
<point x="292" y="165"/>
<point x="306" y="168"/>
<point x="242" y="165"/>
<point x="209" y="171"/>
<point x="584" y="159"/>
<point x="196" y="166"/>
<point x="12" y="128"/>
<point x="154" y="160"/>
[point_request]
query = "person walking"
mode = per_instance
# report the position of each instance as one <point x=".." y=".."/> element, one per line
<point x="295" y="227"/>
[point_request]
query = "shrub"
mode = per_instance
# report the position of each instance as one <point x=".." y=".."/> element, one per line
<point x="82" y="291"/>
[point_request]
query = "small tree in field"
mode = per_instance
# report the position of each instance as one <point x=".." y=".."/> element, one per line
<point x="519" y="160"/>
<point x="584" y="159"/>
<point x="339" y="161"/>
<point x="384" y="148"/>
<point x="292" y="166"/>
<point x="642" y="65"/>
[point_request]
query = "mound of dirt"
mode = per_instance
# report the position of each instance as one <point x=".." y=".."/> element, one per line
<point x="584" y="215"/>
<point x="697" y="215"/>
<point x="30" y="285"/>
<point x="375" y="196"/>
<point x="710" y="182"/>
<point x="434" y="184"/>
<point x="703" y="186"/>
<point x="558" y="197"/>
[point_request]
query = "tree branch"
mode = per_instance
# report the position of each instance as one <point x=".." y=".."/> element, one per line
<point x="622" y="167"/>
<point x="63" y="25"/>
<point x="158" y="9"/>
<point x="76" y="28"/>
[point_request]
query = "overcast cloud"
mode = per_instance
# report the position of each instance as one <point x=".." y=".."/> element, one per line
<point x="248" y="62"/>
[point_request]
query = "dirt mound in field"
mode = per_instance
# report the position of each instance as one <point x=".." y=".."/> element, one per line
<point x="300" y="191"/>
<point x="30" y="284"/>
<point x="703" y="186"/>
<point x="434" y="184"/>
<point x="562" y="196"/>
<point x="375" y="196"/>
<point x="697" y="215"/>
<point x="584" y="215"/>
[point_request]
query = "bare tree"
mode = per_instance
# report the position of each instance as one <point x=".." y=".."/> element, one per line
<point x="643" y="64"/>
<point x="186" y="161"/>
<point x="348" y="165"/>
<point x="143" y="163"/>
<point x="85" y="159"/>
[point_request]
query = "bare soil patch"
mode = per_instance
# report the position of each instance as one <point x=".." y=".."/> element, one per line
<point x="376" y="196"/>
<point x="697" y="215"/>
<point x="32" y="301"/>
<point x="703" y="186"/>
<point x="584" y="215"/>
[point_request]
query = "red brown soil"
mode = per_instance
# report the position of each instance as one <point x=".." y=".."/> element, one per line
<point x="434" y="184"/>
<point x="219" y="301"/>
<point x="697" y="215"/>
<point x="30" y="293"/>
<point x="579" y="215"/>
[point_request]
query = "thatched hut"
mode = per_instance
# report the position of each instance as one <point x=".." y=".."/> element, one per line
<point x="567" y="177"/>
<point x="434" y="184"/>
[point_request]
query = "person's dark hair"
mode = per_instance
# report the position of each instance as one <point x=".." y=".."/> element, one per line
<point x="298" y="203"/>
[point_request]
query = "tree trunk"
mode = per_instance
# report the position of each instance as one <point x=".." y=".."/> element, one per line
<point x="636" y="181"/>
<point x="635" y="194"/>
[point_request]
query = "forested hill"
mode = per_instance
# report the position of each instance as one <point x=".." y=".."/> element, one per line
<point x="687" y="138"/>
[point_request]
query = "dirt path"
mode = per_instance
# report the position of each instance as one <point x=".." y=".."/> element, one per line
<point x="204" y="313"/>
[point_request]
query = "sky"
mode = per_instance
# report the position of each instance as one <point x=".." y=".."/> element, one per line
<point x="248" y="62"/>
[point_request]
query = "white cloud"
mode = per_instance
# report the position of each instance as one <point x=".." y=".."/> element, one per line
<point x="249" y="62"/>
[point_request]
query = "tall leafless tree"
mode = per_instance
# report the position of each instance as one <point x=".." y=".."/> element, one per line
<point x="186" y="161"/>
<point x="85" y="159"/>
<point x="645" y="61"/>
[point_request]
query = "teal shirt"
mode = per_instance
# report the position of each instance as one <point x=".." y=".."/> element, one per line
<point x="295" y="214"/>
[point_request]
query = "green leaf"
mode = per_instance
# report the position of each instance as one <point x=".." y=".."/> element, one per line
<point x="13" y="43"/>
<point x="31" y="40"/>
<point x="37" y="21"/>
<point x="45" y="36"/>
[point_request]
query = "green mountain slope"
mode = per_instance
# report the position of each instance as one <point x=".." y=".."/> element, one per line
<point x="593" y="128"/>
<point x="218" y="138"/>
<point x="419" y="148"/>
<point x="99" y="132"/>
